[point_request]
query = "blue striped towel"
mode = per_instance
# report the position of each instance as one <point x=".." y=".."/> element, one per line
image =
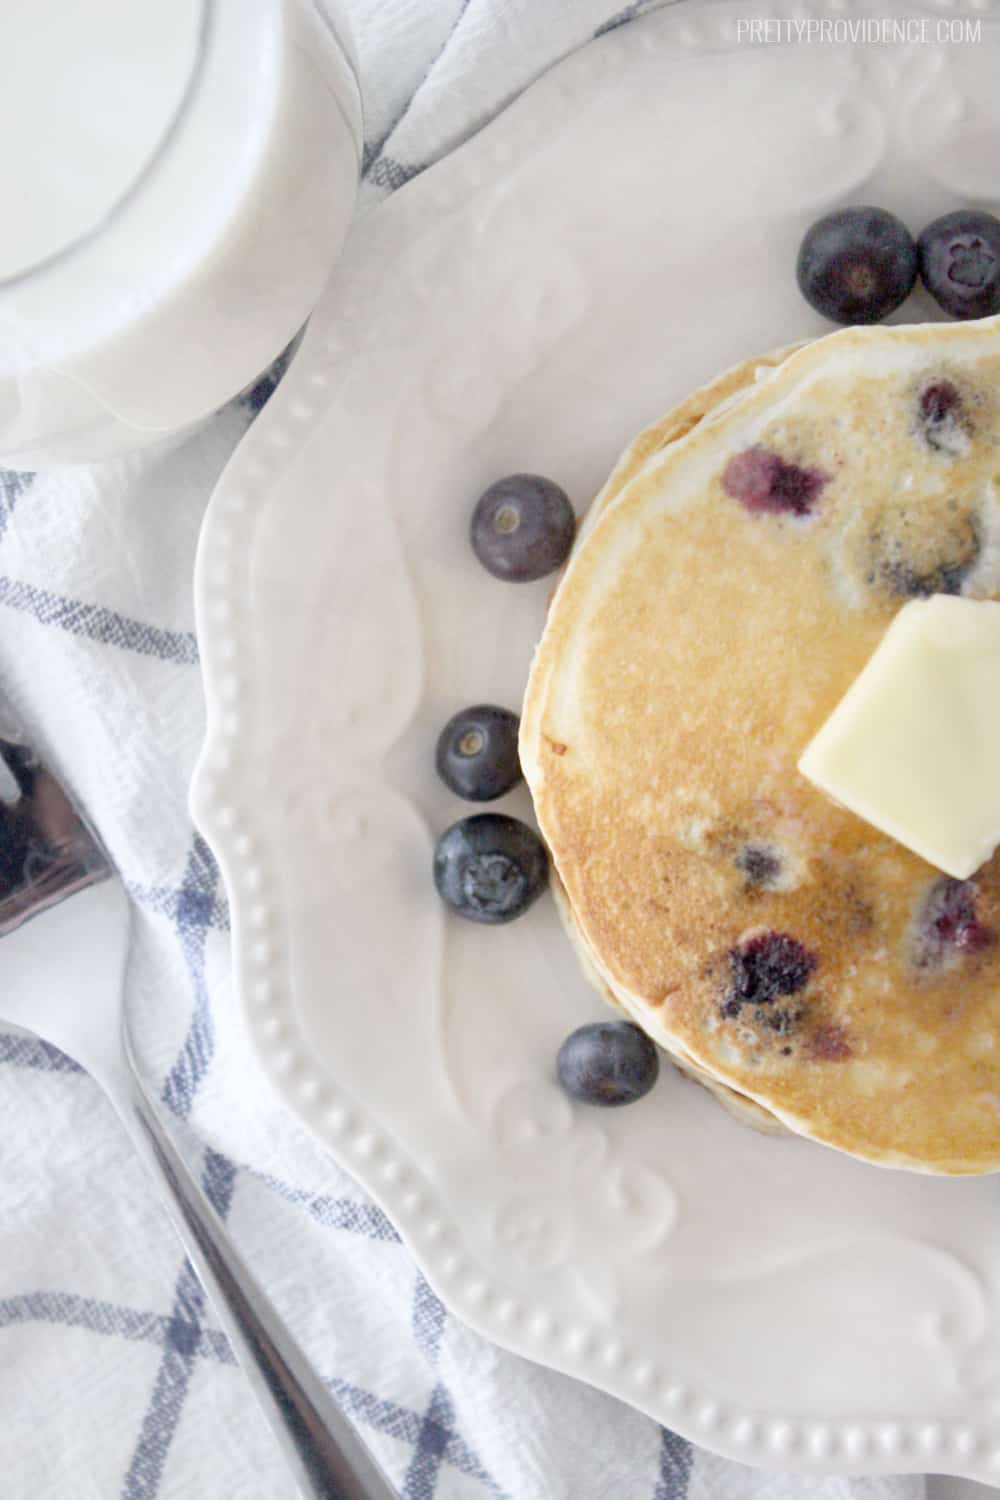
<point x="114" y="1378"/>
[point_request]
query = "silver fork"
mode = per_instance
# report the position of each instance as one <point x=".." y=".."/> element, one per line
<point x="62" y="965"/>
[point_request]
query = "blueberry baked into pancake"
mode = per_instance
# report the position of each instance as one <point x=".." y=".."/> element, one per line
<point x="733" y="581"/>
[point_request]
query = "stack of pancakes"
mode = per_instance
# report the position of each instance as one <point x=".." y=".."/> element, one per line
<point x="730" y="582"/>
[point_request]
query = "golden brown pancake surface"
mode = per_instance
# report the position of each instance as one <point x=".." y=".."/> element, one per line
<point x="748" y="554"/>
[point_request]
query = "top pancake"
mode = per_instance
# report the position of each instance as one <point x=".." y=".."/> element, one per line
<point x="740" y="573"/>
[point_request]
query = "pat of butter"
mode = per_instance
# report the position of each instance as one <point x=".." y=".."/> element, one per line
<point x="913" y="747"/>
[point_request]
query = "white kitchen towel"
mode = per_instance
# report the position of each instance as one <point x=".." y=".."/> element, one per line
<point x="114" y="1379"/>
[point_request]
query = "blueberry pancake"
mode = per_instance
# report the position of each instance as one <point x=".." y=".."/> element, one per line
<point x="678" y="422"/>
<point x="741" y="566"/>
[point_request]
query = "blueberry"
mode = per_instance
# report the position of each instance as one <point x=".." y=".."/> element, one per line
<point x="764" y="967"/>
<point x="911" y="559"/>
<point x="942" y="418"/>
<point x="959" y="257"/>
<point x="490" y="868"/>
<point x="949" y="921"/>
<point x="958" y="549"/>
<point x="477" y="753"/>
<point x="760" y="864"/>
<point x="522" y="528"/>
<point x="609" y="1062"/>
<point x="940" y="402"/>
<point x="857" y="265"/>
<point x="766" y="483"/>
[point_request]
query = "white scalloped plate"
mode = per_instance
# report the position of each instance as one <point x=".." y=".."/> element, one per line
<point x="622" y="232"/>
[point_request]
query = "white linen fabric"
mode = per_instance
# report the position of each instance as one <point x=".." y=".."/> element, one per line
<point x="114" y="1378"/>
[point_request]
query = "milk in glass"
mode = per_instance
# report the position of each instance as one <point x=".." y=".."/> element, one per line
<point x="177" y="180"/>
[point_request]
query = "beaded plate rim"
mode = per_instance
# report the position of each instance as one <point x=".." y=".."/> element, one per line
<point x="231" y="824"/>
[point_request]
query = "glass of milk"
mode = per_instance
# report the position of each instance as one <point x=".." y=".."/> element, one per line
<point x="178" y="177"/>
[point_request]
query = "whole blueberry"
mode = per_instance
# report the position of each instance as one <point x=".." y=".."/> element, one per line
<point x="490" y="868"/>
<point x="608" y="1063"/>
<point x="477" y="753"/>
<point x="522" y="528"/>
<point x="959" y="258"/>
<point x="857" y="265"/>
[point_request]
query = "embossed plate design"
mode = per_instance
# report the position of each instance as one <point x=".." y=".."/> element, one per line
<point x="624" y="231"/>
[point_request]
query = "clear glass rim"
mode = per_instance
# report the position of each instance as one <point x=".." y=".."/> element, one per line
<point x="124" y="200"/>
